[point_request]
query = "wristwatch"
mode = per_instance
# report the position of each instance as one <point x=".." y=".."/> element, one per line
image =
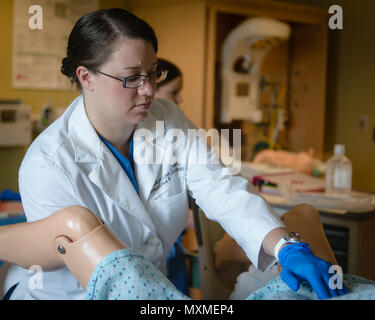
<point x="289" y="238"/>
<point x="292" y="237"/>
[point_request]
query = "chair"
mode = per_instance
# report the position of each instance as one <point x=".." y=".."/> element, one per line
<point x="215" y="284"/>
<point x="218" y="283"/>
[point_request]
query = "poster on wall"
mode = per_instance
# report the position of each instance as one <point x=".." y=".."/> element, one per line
<point x="40" y="36"/>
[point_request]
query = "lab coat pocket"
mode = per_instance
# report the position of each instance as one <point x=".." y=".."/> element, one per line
<point x="171" y="190"/>
<point x="170" y="215"/>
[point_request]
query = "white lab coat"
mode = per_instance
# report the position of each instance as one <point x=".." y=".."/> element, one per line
<point x="68" y="164"/>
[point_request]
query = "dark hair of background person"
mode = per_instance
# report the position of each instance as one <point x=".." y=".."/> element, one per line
<point x="173" y="71"/>
<point x="92" y="39"/>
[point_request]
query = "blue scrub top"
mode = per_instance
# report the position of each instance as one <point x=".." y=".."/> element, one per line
<point x="126" y="164"/>
<point x="176" y="266"/>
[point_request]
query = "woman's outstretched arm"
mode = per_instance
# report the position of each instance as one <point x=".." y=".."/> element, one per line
<point x="303" y="219"/>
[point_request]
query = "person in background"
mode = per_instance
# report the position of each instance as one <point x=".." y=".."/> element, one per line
<point x="170" y="88"/>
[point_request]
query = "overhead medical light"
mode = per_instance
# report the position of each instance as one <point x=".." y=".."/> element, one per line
<point x="243" y="52"/>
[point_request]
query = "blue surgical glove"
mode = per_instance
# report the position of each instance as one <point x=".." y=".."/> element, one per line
<point x="300" y="264"/>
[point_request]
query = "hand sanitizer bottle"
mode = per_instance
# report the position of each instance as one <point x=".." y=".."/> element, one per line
<point x="339" y="173"/>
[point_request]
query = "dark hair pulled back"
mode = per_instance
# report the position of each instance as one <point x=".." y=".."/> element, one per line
<point x="93" y="36"/>
<point x="173" y="71"/>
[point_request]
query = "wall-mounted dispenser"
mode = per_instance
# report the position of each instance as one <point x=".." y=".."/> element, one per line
<point x="15" y="125"/>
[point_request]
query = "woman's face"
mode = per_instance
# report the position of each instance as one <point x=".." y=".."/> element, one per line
<point x="114" y="102"/>
<point x="171" y="90"/>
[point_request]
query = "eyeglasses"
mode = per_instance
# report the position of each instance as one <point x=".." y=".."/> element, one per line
<point x="138" y="80"/>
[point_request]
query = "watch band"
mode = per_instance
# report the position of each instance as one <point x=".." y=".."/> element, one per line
<point x="290" y="237"/>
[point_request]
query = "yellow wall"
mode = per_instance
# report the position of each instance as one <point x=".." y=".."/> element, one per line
<point x="11" y="157"/>
<point x="187" y="51"/>
<point x="350" y="86"/>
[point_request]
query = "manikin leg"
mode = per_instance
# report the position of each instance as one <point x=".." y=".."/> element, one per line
<point x="83" y="255"/>
<point x="72" y="237"/>
<point x="303" y="219"/>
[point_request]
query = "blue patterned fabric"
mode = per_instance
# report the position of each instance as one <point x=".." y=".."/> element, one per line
<point x="126" y="275"/>
<point x="276" y="289"/>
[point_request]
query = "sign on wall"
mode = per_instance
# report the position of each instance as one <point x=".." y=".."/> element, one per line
<point x="40" y="36"/>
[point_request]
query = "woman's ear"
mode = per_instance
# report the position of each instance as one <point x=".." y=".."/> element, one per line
<point x="85" y="77"/>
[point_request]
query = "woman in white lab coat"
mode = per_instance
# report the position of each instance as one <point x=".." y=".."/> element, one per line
<point x="97" y="155"/>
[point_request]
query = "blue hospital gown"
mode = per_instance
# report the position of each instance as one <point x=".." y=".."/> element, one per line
<point x="276" y="289"/>
<point x="126" y="275"/>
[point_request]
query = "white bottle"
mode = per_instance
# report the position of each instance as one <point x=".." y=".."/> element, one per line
<point x="339" y="173"/>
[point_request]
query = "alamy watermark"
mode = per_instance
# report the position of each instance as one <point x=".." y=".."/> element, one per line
<point x="36" y="280"/>
<point x="190" y="147"/>
<point x="36" y="20"/>
<point x="336" y="21"/>
<point x="336" y="280"/>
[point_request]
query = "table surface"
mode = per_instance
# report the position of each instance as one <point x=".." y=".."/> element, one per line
<point x="282" y="203"/>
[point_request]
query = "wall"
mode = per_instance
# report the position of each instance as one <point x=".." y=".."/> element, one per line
<point x="350" y="89"/>
<point x="11" y="157"/>
<point x="188" y="51"/>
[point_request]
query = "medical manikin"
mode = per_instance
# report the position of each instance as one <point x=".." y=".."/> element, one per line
<point x="72" y="237"/>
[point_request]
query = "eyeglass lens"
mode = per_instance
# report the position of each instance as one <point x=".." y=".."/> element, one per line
<point x="137" y="81"/>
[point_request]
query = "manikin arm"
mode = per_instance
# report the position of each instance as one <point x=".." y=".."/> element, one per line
<point x="82" y="239"/>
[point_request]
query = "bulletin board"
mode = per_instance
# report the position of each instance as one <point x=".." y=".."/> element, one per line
<point x="37" y="53"/>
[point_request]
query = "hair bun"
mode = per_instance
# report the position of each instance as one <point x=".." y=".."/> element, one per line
<point x="68" y="67"/>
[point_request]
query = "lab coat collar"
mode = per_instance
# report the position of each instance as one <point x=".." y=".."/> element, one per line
<point x="86" y="142"/>
<point x="87" y="145"/>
